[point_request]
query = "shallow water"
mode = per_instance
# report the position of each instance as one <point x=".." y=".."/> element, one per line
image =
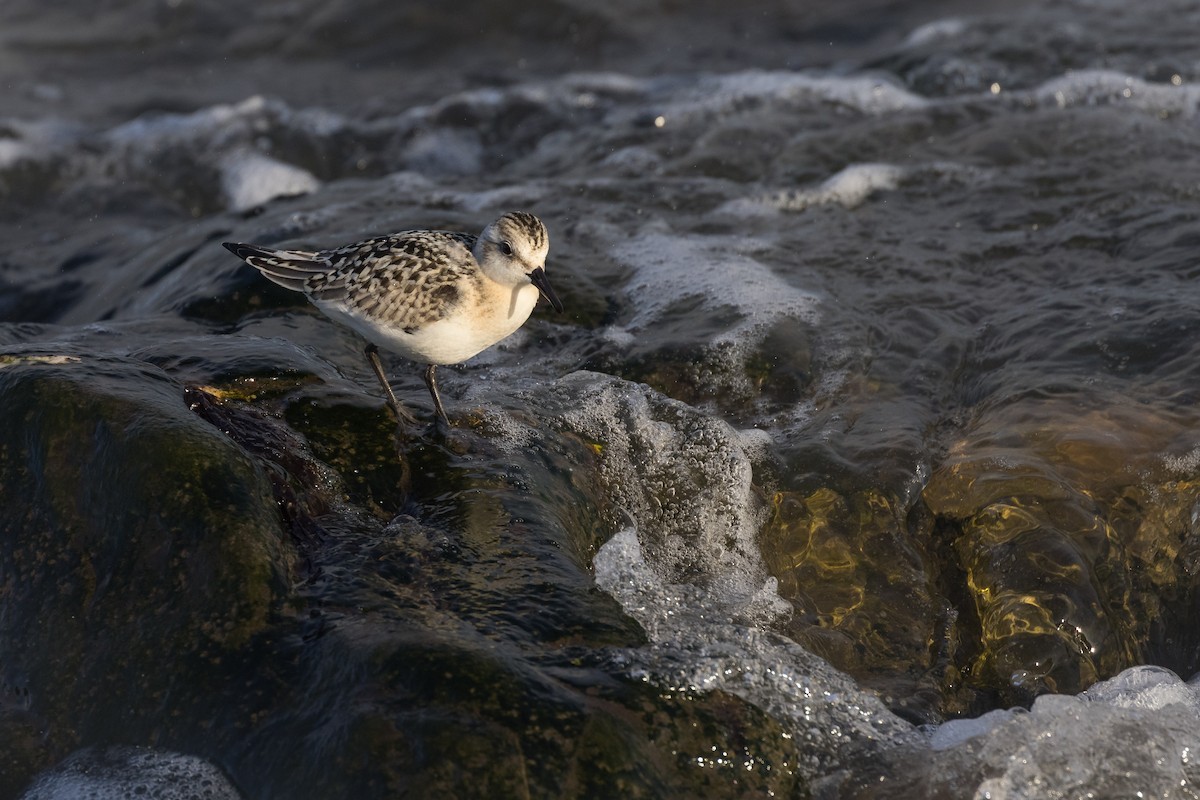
<point x="873" y="407"/>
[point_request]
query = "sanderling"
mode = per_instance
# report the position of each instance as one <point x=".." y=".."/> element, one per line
<point x="436" y="297"/>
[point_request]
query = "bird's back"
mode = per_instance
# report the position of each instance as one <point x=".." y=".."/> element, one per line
<point x="402" y="280"/>
<point x="403" y="292"/>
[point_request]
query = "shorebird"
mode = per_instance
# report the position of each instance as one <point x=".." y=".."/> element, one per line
<point x="434" y="297"/>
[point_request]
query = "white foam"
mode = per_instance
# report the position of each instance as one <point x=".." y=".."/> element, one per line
<point x="716" y="271"/>
<point x="31" y="140"/>
<point x="231" y="138"/>
<point x="250" y="179"/>
<point x="682" y="476"/>
<point x="509" y="196"/>
<point x="687" y="565"/>
<point x="936" y="31"/>
<point x="13" y="151"/>
<point x="607" y="83"/>
<point x="445" y="151"/>
<point x="622" y="337"/>
<point x="118" y="773"/>
<point x="695" y="647"/>
<point x="226" y="123"/>
<point x="1107" y="87"/>
<point x="1135" y="735"/>
<point x="1148" y="687"/>
<point x="157" y="128"/>
<point x="781" y="90"/>
<point x="633" y="161"/>
<point x="957" y="731"/>
<point x="849" y="188"/>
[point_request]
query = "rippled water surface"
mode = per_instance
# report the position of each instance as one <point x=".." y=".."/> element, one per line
<point x="862" y="463"/>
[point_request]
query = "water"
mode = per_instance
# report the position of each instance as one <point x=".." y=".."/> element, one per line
<point x="865" y="448"/>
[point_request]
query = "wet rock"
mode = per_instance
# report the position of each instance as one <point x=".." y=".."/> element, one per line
<point x="138" y="548"/>
<point x="323" y="637"/>
<point x="429" y="703"/>
<point x="461" y="649"/>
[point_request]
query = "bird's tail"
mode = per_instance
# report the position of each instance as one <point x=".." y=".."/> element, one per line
<point x="289" y="268"/>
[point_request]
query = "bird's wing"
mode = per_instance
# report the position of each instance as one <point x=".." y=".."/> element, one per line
<point x="288" y="268"/>
<point x="406" y="279"/>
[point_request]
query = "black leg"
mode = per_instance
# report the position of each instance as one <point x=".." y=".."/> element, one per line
<point x="372" y="353"/>
<point x="431" y="382"/>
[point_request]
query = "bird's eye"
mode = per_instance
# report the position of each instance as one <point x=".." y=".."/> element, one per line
<point x="506" y="248"/>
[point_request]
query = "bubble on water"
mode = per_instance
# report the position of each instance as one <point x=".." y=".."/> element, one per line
<point x="1185" y="464"/>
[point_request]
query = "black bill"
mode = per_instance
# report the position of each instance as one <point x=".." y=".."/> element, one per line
<point x="538" y="278"/>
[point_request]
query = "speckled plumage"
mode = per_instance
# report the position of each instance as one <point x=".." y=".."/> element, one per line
<point x="437" y="297"/>
<point x="403" y="280"/>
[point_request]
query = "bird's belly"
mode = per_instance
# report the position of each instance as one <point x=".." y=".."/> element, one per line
<point x="449" y="340"/>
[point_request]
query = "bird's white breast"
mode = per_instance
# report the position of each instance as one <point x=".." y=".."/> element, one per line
<point x="470" y="328"/>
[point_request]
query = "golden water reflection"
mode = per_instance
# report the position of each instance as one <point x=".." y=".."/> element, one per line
<point x="1052" y="547"/>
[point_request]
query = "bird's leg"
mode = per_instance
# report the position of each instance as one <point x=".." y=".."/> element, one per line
<point x="372" y="353"/>
<point x="431" y="382"/>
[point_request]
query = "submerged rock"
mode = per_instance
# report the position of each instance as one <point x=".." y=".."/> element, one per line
<point x="864" y="591"/>
<point x="1072" y="541"/>
<point x="1050" y="549"/>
